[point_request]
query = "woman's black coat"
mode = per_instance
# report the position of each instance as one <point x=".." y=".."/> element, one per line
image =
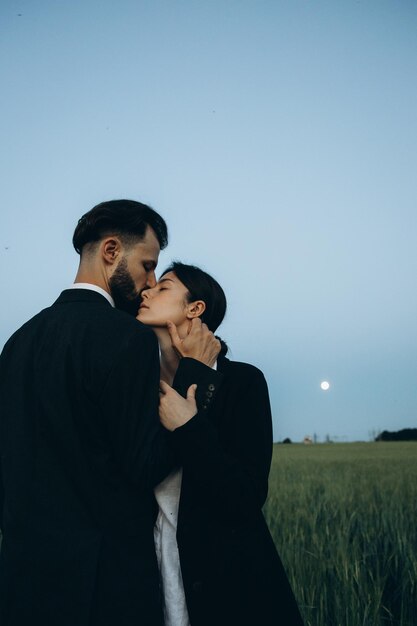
<point x="231" y="571"/>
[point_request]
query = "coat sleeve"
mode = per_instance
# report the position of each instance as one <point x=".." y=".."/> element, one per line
<point x="207" y="379"/>
<point x="130" y="404"/>
<point x="232" y="473"/>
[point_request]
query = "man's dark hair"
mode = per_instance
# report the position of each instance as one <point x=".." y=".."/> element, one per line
<point x="127" y="219"/>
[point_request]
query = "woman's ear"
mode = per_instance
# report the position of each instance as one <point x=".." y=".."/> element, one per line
<point x="195" y="309"/>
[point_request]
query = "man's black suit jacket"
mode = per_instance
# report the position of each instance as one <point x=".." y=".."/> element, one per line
<point x="81" y="449"/>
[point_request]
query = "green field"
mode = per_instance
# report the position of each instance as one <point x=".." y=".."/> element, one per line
<point x="344" y="519"/>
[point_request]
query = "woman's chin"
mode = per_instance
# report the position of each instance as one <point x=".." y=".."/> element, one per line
<point x="155" y="324"/>
<point x="142" y="318"/>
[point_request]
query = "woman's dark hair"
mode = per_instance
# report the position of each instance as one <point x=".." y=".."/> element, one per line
<point x="126" y="218"/>
<point x="202" y="286"/>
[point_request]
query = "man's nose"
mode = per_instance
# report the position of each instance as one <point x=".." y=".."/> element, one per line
<point x="151" y="280"/>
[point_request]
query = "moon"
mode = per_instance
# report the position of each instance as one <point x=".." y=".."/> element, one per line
<point x="325" y="385"/>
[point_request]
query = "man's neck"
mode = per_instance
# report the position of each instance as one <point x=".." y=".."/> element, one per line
<point x="93" y="275"/>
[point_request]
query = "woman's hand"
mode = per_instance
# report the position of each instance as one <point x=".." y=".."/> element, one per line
<point x="174" y="410"/>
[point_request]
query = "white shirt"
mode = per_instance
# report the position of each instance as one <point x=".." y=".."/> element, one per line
<point x="96" y="288"/>
<point x="167" y="494"/>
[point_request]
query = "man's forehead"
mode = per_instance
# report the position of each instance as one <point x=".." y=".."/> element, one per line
<point x="150" y="238"/>
<point x="149" y="244"/>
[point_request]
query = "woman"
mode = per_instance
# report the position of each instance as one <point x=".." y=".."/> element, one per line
<point x="225" y="570"/>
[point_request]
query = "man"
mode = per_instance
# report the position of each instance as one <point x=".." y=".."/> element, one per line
<point x="81" y="447"/>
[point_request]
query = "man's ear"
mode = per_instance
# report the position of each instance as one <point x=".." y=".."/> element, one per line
<point x="196" y="309"/>
<point x="111" y="249"/>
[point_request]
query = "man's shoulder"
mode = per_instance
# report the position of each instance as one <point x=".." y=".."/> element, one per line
<point x="94" y="309"/>
<point x="104" y="323"/>
<point x="97" y="322"/>
<point x="26" y="328"/>
<point x="128" y="325"/>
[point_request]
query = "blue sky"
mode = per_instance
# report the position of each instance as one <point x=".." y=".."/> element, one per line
<point x="278" y="139"/>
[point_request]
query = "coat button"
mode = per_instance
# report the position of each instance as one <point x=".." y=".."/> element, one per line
<point x="197" y="586"/>
<point x="209" y="394"/>
<point x="211" y="387"/>
<point x="204" y="406"/>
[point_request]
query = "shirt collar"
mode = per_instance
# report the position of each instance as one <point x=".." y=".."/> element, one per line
<point x="94" y="288"/>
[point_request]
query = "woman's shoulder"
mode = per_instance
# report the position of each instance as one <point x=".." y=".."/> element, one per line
<point x="239" y="369"/>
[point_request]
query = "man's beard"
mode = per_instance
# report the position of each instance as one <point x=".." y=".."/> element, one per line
<point x="123" y="291"/>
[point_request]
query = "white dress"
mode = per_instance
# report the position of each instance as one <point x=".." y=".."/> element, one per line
<point x="167" y="494"/>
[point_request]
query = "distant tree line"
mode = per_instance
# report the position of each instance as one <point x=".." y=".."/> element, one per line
<point x="406" y="434"/>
